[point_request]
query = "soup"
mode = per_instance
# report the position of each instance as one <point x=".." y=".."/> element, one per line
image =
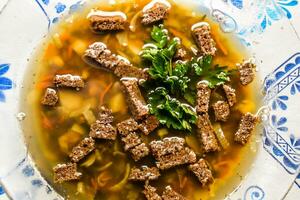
<point x="52" y="132"/>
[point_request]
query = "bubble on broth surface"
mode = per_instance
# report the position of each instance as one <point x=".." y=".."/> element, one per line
<point x="21" y="116"/>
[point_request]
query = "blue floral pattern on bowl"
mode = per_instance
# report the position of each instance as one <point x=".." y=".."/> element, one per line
<point x="53" y="9"/>
<point x="267" y="12"/>
<point x="1" y="190"/>
<point x="283" y="149"/>
<point x="5" y="83"/>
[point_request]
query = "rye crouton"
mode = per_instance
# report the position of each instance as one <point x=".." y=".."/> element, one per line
<point x="245" y="129"/>
<point x="128" y="71"/>
<point x="207" y="134"/>
<point x="101" y="130"/>
<point x="184" y="156"/>
<point x="166" y="146"/>
<point x="127" y="126"/>
<point x="50" y="97"/>
<point x="144" y="173"/>
<point x="139" y="151"/>
<point x="170" y="194"/>
<point x="202" y="171"/>
<point x="105" y="115"/>
<point x="155" y="11"/>
<point x="203" y="97"/>
<point x="99" y="55"/>
<point x="131" y="140"/>
<point x="66" y="172"/>
<point x="68" y="80"/>
<point x="86" y="146"/>
<point x="101" y="21"/>
<point x="246" y="71"/>
<point x="221" y="110"/>
<point x="149" y="124"/>
<point x="230" y="95"/>
<point x="136" y="102"/>
<point x="150" y="193"/>
<point x="203" y="39"/>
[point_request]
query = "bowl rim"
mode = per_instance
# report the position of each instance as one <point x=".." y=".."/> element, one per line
<point x="33" y="186"/>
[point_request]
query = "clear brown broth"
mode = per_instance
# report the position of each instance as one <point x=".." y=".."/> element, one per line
<point x="51" y="134"/>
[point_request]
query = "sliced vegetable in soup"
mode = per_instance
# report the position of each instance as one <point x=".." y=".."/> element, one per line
<point x="142" y="100"/>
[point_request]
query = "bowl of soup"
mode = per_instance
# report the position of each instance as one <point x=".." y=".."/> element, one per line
<point x="140" y="99"/>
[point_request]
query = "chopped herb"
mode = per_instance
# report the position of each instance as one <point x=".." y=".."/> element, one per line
<point x="170" y="111"/>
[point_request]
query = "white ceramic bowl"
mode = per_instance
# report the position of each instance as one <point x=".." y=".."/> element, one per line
<point x="265" y="27"/>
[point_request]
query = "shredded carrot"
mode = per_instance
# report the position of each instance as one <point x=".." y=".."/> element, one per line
<point x="44" y="82"/>
<point x="47" y="78"/>
<point x="94" y="183"/>
<point x="70" y="52"/>
<point x="185" y="41"/>
<point x="102" y="95"/>
<point x="65" y="71"/>
<point x="42" y="85"/>
<point x="65" y="36"/>
<point x="46" y="122"/>
<point x="176" y="32"/>
<point x="221" y="164"/>
<point x="221" y="46"/>
<point x="50" y="50"/>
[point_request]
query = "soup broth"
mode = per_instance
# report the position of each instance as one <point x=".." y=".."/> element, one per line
<point x="51" y="133"/>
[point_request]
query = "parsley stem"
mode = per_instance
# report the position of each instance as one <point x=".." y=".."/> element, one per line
<point x="170" y="67"/>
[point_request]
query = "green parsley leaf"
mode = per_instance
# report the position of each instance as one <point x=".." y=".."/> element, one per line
<point x="149" y="53"/>
<point x="160" y="36"/>
<point x="170" y="51"/>
<point x="162" y="70"/>
<point x="180" y="69"/>
<point x="190" y="96"/>
<point x="170" y="111"/>
<point x="201" y="65"/>
<point x="158" y="68"/>
<point x="214" y="75"/>
<point x="217" y="76"/>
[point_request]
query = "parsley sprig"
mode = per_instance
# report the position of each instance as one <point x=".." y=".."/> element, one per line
<point x="170" y="111"/>
<point x="160" y="54"/>
<point x="173" y="81"/>
<point x="215" y="76"/>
